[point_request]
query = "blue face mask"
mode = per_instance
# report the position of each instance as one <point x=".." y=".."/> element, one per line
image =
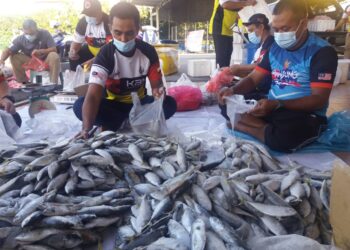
<point x="124" y="47"/>
<point x="253" y="38"/>
<point x="30" y="38"/>
<point x="286" y="40"/>
<point x="91" y="20"/>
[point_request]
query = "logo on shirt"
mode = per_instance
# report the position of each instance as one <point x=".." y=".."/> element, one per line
<point x="324" y="76"/>
<point x="285" y="77"/>
<point x="132" y="84"/>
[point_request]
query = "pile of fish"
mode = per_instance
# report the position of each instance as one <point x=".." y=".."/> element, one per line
<point x="156" y="194"/>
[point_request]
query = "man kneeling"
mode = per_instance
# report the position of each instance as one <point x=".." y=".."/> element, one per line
<point x="120" y="68"/>
<point x="303" y="69"/>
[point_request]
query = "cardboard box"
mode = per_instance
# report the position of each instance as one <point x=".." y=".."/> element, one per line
<point x="340" y="205"/>
<point x="81" y="90"/>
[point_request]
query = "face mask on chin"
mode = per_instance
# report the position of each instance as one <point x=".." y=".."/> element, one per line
<point x="287" y="40"/>
<point x="124" y="47"/>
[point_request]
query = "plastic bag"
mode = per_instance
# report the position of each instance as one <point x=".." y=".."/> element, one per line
<point x="148" y="119"/>
<point x="184" y="80"/>
<point x="8" y="130"/>
<point x="74" y="79"/>
<point x="36" y="64"/>
<point x="221" y="79"/>
<point x="187" y="97"/>
<point x="237" y="105"/>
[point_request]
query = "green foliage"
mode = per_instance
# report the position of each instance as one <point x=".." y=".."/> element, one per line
<point x="12" y="26"/>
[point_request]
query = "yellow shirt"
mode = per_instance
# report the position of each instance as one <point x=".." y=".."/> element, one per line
<point x="222" y="20"/>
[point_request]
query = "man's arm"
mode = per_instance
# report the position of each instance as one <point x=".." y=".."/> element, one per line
<point x="91" y="106"/>
<point x="242" y="70"/>
<point x="236" y="6"/>
<point x="43" y="52"/>
<point x="5" y="102"/>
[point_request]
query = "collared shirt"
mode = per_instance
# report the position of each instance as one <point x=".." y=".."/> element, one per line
<point x="295" y="73"/>
<point x="44" y="40"/>
<point x="122" y="73"/>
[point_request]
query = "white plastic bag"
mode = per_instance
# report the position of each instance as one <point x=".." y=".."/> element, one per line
<point x="184" y="80"/>
<point x="73" y="79"/>
<point x="237" y="105"/>
<point x="148" y="119"/>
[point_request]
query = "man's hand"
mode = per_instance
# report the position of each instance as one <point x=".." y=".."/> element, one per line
<point x="87" y="65"/>
<point x="264" y="107"/>
<point x="8" y="106"/>
<point x="158" y="92"/>
<point x="223" y="93"/>
<point x="84" y="134"/>
<point x="73" y="55"/>
<point x="38" y="53"/>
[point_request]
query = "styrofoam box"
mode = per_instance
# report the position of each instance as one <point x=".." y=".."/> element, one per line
<point x="197" y="68"/>
<point x="64" y="99"/>
<point x="342" y="71"/>
<point x="321" y="25"/>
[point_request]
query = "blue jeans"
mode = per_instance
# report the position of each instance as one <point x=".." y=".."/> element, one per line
<point x="112" y="114"/>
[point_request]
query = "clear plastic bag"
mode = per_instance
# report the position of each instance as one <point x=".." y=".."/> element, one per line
<point x="184" y="80"/>
<point x="148" y="119"/>
<point x="74" y="79"/>
<point x="236" y="106"/>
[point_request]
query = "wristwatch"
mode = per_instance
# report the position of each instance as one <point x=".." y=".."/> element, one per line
<point x="9" y="97"/>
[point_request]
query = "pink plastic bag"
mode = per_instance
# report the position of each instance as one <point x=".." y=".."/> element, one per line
<point x="221" y="79"/>
<point x="36" y="64"/>
<point x="187" y="97"/>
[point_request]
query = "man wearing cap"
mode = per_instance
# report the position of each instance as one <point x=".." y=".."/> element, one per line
<point x="91" y="33"/>
<point x="258" y="33"/>
<point x="345" y="20"/>
<point x="120" y="68"/>
<point x="303" y="68"/>
<point x="34" y="42"/>
<point x="222" y="20"/>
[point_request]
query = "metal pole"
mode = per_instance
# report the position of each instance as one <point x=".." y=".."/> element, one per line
<point x="151" y="15"/>
<point x="157" y="18"/>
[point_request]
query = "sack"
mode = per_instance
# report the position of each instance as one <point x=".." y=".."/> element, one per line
<point x="148" y="119"/>
<point x="187" y="97"/>
<point x="36" y="64"/>
<point x="237" y="105"/>
<point x="74" y="79"/>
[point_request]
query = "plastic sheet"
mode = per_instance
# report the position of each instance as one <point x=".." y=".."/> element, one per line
<point x="49" y="125"/>
<point x="148" y="119"/>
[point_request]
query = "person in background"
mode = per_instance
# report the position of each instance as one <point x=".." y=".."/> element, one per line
<point x="259" y="32"/>
<point x="345" y="20"/>
<point x="34" y="42"/>
<point x="91" y="33"/>
<point x="222" y="20"/>
<point x="303" y="68"/>
<point x="120" y="68"/>
<point x="7" y="101"/>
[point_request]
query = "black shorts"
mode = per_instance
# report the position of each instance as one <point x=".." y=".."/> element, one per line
<point x="288" y="130"/>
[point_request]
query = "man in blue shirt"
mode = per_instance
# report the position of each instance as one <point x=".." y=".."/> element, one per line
<point x="302" y="67"/>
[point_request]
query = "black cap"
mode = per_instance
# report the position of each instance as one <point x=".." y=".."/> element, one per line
<point x="91" y="7"/>
<point x="257" y="19"/>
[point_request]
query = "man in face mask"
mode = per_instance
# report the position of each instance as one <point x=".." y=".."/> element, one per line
<point x="120" y="68"/>
<point x="91" y="33"/>
<point x="34" y="42"/>
<point x="303" y="68"/>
